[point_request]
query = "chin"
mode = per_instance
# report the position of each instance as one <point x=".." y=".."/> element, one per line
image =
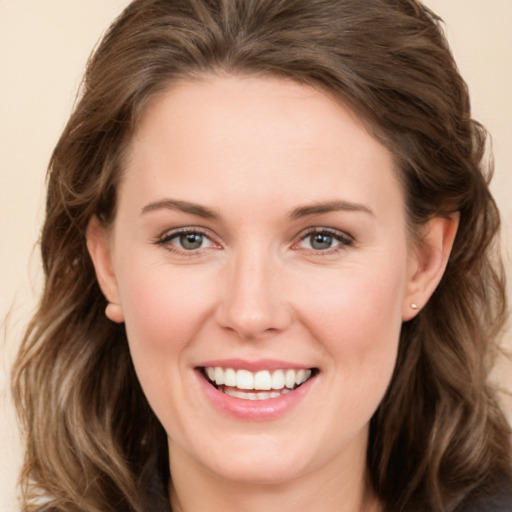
<point x="244" y="461"/>
<point x="260" y="472"/>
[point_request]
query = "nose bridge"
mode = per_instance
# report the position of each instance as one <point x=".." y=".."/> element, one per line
<point x="254" y="303"/>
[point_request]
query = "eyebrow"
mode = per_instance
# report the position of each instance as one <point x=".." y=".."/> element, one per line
<point x="301" y="211"/>
<point x="182" y="206"/>
<point x="327" y="207"/>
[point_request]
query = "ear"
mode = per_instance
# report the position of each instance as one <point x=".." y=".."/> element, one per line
<point x="427" y="262"/>
<point x="98" y="245"/>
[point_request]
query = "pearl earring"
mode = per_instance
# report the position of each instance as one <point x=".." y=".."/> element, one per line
<point x="414" y="306"/>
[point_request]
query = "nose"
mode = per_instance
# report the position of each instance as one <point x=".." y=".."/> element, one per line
<point x="253" y="303"/>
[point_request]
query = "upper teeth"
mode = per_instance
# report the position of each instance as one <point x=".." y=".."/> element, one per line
<point x="262" y="380"/>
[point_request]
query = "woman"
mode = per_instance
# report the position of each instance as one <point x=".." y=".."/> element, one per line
<point x="270" y="279"/>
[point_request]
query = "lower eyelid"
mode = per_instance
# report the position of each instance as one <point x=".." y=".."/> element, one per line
<point x="170" y="236"/>
<point x="342" y="238"/>
<point x="167" y="238"/>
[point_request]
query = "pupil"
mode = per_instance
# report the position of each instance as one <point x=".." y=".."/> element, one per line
<point x="321" y="241"/>
<point x="191" y="241"/>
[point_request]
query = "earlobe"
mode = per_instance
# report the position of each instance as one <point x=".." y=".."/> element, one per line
<point x="428" y="260"/>
<point x="114" y="312"/>
<point x="100" y="253"/>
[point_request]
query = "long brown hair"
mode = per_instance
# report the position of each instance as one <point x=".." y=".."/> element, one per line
<point x="438" y="440"/>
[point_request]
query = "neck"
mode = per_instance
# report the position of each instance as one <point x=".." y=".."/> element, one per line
<point x="328" y="490"/>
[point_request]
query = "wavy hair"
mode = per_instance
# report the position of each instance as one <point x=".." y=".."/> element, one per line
<point x="438" y="440"/>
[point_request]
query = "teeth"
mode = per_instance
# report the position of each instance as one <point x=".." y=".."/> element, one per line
<point x="290" y="378"/>
<point x="302" y="376"/>
<point x="244" y="379"/>
<point x="251" y="396"/>
<point x="219" y="376"/>
<point x="230" y="377"/>
<point x="278" y="379"/>
<point x="263" y="380"/>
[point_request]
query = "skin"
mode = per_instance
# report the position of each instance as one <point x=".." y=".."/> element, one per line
<point x="254" y="151"/>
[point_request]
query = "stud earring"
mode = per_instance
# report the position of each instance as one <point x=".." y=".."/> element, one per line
<point x="114" y="313"/>
<point x="414" y="306"/>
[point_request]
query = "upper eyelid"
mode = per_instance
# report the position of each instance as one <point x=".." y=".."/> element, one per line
<point x="168" y="234"/>
<point x="323" y="229"/>
<point x="171" y="233"/>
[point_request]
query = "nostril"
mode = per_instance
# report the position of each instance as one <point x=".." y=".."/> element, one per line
<point x="252" y="323"/>
<point x="253" y="303"/>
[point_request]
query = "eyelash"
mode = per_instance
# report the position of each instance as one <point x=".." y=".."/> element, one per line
<point x="343" y="239"/>
<point x="166" y="239"/>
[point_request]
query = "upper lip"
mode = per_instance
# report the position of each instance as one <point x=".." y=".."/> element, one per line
<point x="253" y="366"/>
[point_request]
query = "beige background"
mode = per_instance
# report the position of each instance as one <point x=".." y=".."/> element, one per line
<point x="43" y="49"/>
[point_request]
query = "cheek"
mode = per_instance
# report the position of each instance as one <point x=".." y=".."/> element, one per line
<point x="163" y="311"/>
<point x="358" y="319"/>
<point x="358" y="301"/>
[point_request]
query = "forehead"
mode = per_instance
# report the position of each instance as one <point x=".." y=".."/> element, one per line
<point x="272" y="137"/>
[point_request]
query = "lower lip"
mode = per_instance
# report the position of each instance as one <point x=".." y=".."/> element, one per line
<point x="254" y="410"/>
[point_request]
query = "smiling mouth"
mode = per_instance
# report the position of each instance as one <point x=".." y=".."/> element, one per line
<point x="260" y="385"/>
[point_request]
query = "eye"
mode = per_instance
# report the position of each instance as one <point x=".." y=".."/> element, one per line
<point x="190" y="241"/>
<point x="320" y="241"/>
<point x="186" y="240"/>
<point x="324" y="240"/>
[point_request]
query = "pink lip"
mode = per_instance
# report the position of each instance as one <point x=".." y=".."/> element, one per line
<point x="253" y="410"/>
<point x="253" y="366"/>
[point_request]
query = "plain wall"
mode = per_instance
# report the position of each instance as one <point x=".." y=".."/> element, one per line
<point x="43" y="49"/>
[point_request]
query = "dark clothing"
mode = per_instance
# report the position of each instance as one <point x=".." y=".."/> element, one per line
<point x="502" y="502"/>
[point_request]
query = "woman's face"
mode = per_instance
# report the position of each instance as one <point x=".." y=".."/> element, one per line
<point x="260" y="242"/>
